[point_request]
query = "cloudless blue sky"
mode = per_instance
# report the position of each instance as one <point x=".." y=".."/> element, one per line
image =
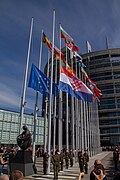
<point x="90" y="20"/>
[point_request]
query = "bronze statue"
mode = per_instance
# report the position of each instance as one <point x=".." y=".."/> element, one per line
<point x="24" y="140"/>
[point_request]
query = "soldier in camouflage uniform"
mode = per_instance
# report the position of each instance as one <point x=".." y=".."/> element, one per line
<point x="116" y="158"/>
<point x="86" y="160"/>
<point x="67" y="159"/>
<point x="55" y="161"/>
<point x="61" y="160"/>
<point x="71" y="155"/>
<point x="45" y="162"/>
<point x="81" y="161"/>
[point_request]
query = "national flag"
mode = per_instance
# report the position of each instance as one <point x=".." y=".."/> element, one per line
<point x="65" y="35"/>
<point x="58" y="52"/>
<point x="71" y="45"/>
<point x="40" y="82"/>
<point x="92" y="85"/>
<point x="46" y="41"/>
<point x="74" y="47"/>
<point x="66" y="65"/>
<point x="77" y="56"/>
<point x="96" y="91"/>
<point x="84" y="72"/>
<point x="91" y="82"/>
<point x="74" y="86"/>
<point x="68" y="40"/>
<point x="78" y="59"/>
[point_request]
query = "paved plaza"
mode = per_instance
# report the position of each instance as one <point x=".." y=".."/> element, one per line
<point x="73" y="173"/>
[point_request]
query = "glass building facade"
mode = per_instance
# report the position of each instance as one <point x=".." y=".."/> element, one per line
<point x="104" y="68"/>
<point x="9" y="127"/>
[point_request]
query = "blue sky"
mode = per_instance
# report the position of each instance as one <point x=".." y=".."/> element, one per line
<point x="90" y="20"/>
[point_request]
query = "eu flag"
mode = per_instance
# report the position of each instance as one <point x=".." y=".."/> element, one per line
<point x="40" y="82"/>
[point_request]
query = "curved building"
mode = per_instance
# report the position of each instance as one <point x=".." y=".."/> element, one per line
<point x="104" y="68"/>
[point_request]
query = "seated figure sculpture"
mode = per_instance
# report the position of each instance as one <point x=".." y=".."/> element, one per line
<point x="24" y="139"/>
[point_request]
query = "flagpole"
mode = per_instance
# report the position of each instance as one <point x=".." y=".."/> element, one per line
<point x="25" y="80"/>
<point x="36" y="103"/>
<point x="72" y="117"/>
<point x="46" y="110"/>
<point x="67" y="143"/>
<point x="76" y="119"/>
<point x="81" y="121"/>
<point x="90" y="120"/>
<point x="50" y="100"/>
<point x="54" y="116"/>
<point x="60" y="110"/>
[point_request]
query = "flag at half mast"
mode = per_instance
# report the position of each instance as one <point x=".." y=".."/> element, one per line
<point x="68" y="39"/>
<point x="40" y="82"/>
<point x="46" y="41"/>
<point x="74" y="86"/>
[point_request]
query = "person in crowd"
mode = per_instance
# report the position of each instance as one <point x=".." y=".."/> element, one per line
<point x="116" y="158"/>
<point x="86" y="160"/>
<point x="4" y="177"/>
<point x="56" y="161"/>
<point x="71" y="155"/>
<point x="61" y="160"/>
<point x="98" y="175"/>
<point x="2" y="163"/>
<point x="67" y="159"/>
<point x="98" y="172"/>
<point x="81" y="176"/>
<point x="45" y="162"/>
<point x="11" y="158"/>
<point x="81" y="161"/>
<point x="37" y="152"/>
<point x="16" y="175"/>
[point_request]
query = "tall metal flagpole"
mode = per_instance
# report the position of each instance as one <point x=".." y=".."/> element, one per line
<point x="36" y="104"/>
<point x="54" y="116"/>
<point x="81" y="120"/>
<point x="72" y="115"/>
<point x="25" y="80"/>
<point x="76" y="120"/>
<point x="50" y="100"/>
<point x="46" y="110"/>
<point x="66" y="113"/>
<point x="60" y="110"/>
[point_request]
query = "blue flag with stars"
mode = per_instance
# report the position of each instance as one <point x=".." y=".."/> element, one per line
<point x="40" y="82"/>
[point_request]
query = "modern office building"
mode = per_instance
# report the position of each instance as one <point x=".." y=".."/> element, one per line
<point x="104" y="68"/>
<point x="9" y="127"/>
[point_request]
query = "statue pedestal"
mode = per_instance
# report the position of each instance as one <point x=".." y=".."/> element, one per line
<point x="23" y="162"/>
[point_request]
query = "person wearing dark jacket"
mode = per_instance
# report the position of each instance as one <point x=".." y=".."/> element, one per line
<point x="98" y="172"/>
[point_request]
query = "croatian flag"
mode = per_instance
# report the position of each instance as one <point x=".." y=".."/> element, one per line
<point x="74" y="86"/>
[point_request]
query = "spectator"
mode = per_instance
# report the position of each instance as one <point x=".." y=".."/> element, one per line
<point x="4" y="177"/>
<point x="2" y="162"/>
<point x="100" y="176"/>
<point x="16" y="175"/>
<point x="98" y="172"/>
<point x="81" y="175"/>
